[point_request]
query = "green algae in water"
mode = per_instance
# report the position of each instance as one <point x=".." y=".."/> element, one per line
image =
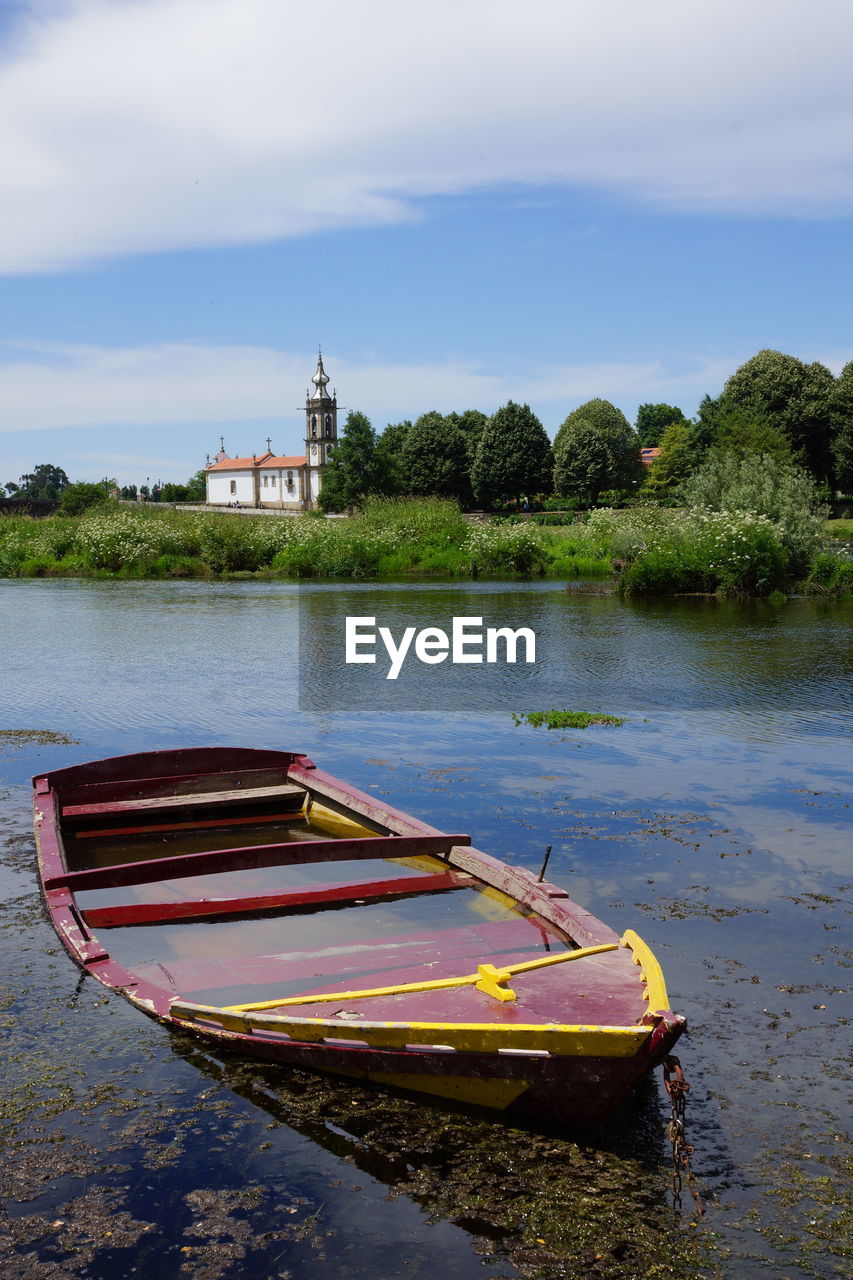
<point x="554" y="719"/>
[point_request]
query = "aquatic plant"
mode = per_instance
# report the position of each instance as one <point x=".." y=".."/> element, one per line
<point x="554" y="719"/>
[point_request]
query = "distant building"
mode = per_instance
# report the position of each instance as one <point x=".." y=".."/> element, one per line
<point x="270" y="480"/>
<point x="648" y="456"/>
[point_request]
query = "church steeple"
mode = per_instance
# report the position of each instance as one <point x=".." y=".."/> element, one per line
<point x="321" y="419"/>
<point x="320" y="380"/>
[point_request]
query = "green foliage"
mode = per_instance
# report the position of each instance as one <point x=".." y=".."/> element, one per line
<point x="763" y="485"/>
<point x="389" y="457"/>
<point x="600" y="413"/>
<point x="652" y="421"/>
<point x="798" y="399"/>
<point x="673" y="464"/>
<point x="408" y="521"/>
<point x="750" y="430"/>
<point x="831" y="573"/>
<point x="658" y="549"/>
<point x="702" y="430"/>
<point x="353" y="469"/>
<point x="554" y="719"/>
<point x="493" y="548"/>
<point x="77" y="498"/>
<point x="703" y="551"/>
<point x="435" y="459"/>
<point x="595" y="449"/>
<point x="472" y="424"/>
<point x="44" y="483"/>
<point x="196" y="487"/>
<point x="174" y="493"/>
<point x="514" y="456"/>
<point x="842" y="429"/>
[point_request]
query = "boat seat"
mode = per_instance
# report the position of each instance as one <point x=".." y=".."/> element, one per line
<point x="203" y="800"/>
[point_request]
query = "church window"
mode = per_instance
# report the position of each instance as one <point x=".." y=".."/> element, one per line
<point x="272" y="482"/>
<point x="313" y="424"/>
<point x="328" y="424"/>
<point x="233" y="486"/>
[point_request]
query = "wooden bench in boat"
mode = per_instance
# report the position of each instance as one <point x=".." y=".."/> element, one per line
<point x="199" y="800"/>
<point x="246" y="857"/>
<point x="314" y="899"/>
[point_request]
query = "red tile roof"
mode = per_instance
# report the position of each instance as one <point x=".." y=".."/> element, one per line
<point x="264" y="461"/>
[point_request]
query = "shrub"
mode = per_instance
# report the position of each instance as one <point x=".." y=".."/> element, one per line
<point x="496" y="548"/>
<point x="670" y="552"/>
<point x="765" y="486"/>
<point x="77" y="498"/>
<point x="830" y="574"/>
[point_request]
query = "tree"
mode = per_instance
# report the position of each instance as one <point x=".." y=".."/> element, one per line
<point x="173" y="493"/>
<point x="796" y="397"/>
<point x="389" y="457"/>
<point x="652" y="421"/>
<point x="514" y="456"/>
<point x="750" y="429"/>
<point x="672" y="466"/>
<point x="842" y="429"/>
<point x="471" y="423"/>
<point x="702" y="430"/>
<point x="595" y="448"/>
<point x="44" y="482"/>
<point x="435" y="459"/>
<point x="197" y="487"/>
<point x="353" y="469"/>
<point x="77" y="498"/>
<point x="128" y="492"/>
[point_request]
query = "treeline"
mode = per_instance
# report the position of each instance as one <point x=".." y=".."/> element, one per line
<point x="773" y="407"/>
<point x="47" y="488"/>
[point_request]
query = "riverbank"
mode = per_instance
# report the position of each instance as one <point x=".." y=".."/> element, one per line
<point x="651" y="551"/>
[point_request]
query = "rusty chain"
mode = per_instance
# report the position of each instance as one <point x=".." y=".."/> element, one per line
<point x="677" y="1088"/>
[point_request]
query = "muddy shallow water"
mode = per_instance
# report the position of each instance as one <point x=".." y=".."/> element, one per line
<point x="715" y="822"/>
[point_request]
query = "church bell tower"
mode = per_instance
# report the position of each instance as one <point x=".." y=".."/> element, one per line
<point x="321" y="421"/>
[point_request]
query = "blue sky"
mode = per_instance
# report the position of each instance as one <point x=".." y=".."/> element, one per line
<point x="463" y="203"/>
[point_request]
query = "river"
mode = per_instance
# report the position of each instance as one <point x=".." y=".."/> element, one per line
<point x="715" y="821"/>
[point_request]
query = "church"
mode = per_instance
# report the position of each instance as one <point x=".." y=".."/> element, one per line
<point x="268" y="480"/>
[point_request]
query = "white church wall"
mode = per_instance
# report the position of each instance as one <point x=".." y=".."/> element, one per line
<point x="226" y="487"/>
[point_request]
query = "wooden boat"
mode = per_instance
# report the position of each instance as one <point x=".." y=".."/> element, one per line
<point x="248" y="897"/>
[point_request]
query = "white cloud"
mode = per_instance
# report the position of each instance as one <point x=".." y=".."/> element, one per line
<point x="44" y="387"/>
<point x="138" y="125"/>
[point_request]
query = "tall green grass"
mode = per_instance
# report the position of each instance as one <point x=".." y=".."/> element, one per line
<point x="655" y="551"/>
<point x="390" y="538"/>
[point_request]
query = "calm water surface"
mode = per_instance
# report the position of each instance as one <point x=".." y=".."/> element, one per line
<point x="716" y="822"/>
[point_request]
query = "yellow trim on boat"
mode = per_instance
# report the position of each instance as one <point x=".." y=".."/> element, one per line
<point x="472" y="1037"/>
<point x="650" y="971"/>
<point x="486" y="979"/>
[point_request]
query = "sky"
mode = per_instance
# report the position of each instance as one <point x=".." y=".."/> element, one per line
<point x="462" y="202"/>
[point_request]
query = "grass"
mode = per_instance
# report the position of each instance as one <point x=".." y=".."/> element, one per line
<point x="654" y="551"/>
<point x="840" y="529"/>
<point x="395" y="539"/>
